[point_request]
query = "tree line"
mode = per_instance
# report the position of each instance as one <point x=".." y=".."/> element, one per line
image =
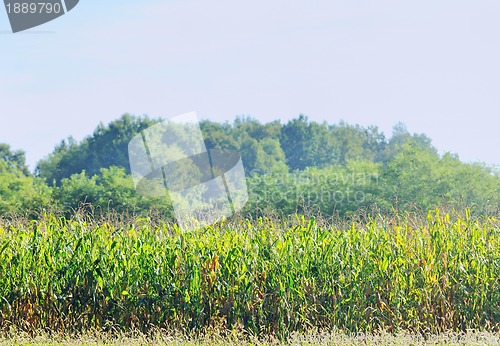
<point x="292" y="167"/>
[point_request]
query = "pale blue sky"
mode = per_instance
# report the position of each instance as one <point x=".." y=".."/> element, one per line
<point x="433" y="65"/>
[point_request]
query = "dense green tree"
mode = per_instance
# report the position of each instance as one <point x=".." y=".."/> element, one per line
<point x="110" y="190"/>
<point x="348" y="143"/>
<point x="218" y="135"/>
<point x="298" y="144"/>
<point x="411" y="177"/>
<point x="263" y="155"/>
<point x="272" y="157"/>
<point x="307" y="144"/>
<point x="414" y="178"/>
<point x="14" y="159"/>
<point x="22" y="193"/>
<point x="77" y="190"/>
<point x="424" y="179"/>
<point x="353" y="142"/>
<point x="292" y="167"/>
<point x="401" y="137"/>
<point x="108" y="146"/>
<point x="245" y="127"/>
<point x="258" y="144"/>
<point x="294" y="140"/>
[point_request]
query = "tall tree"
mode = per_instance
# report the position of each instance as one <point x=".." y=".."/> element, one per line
<point x="14" y="159"/>
<point x="106" y="147"/>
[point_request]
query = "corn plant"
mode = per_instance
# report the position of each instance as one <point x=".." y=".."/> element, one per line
<point x="267" y="276"/>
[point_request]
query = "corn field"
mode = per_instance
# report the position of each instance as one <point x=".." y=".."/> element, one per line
<point x="265" y="276"/>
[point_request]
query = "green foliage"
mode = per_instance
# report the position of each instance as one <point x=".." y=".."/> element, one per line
<point x="305" y="144"/>
<point x="258" y="144"/>
<point x="309" y="144"/>
<point x="297" y="166"/>
<point x="411" y="179"/>
<point x="423" y="179"/>
<point x="218" y="135"/>
<point x="354" y="143"/>
<point x="108" y="146"/>
<point x="267" y="277"/>
<point x="20" y="193"/>
<point x="110" y="190"/>
<point x="78" y="189"/>
<point x="264" y="155"/>
<point x="13" y="159"/>
<point x="401" y="137"/>
<point x="331" y="190"/>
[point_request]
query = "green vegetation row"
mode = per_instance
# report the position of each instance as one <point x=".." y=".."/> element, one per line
<point x="292" y="167"/>
<point x="266" y="277"/>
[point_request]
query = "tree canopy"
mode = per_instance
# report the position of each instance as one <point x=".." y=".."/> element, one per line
<point x="300" y="164"/>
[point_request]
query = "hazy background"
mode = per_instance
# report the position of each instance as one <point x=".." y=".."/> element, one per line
<point x="432" y="65"/>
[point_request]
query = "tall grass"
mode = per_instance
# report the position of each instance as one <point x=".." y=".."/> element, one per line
<point x="264" y="276"/>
